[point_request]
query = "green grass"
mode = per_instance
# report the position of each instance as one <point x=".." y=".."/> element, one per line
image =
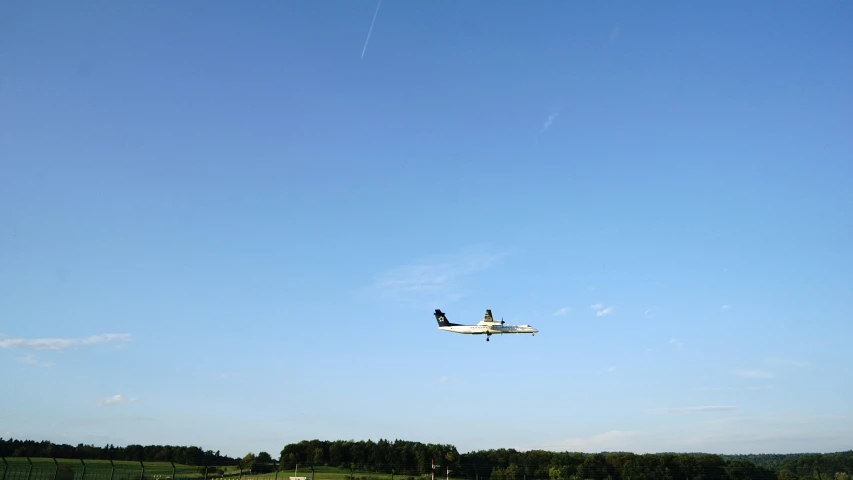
<point x="329" y="473"/>
<point x="18" y="468"/>
<point x="40" y="463"/>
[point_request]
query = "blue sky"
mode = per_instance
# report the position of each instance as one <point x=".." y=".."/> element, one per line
<point x="225" y="226"/>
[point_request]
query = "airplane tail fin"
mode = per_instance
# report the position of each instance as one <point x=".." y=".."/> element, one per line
<point x="441" y="318"/>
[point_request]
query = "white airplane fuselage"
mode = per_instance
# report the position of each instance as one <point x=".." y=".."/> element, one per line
<point x="490" y="329"/>
<point x="487" y="326"/>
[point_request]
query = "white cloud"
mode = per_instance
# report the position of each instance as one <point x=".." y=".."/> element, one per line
<point x="115" y="400"/>
<point x="601" y="310"/>
<point x="720" y="389"/>
<point x="713" y="389"/>
<point x="443" y="380"/>
<point x="562" y="311"/>
<point x="678" y="343"/>
<point x="610" y="369"/>
<point x="726" y="307"/>
<point x="752" y="373"/>
<point x="686" y="410"/>
<point x="62" y="343"/>
<point x="787" y="363"/>
<point x="766" y="432"/>
<point x="613" y="440"/>
<point x="649" y="313"/>
<point x="614" y="32"/>
<point x="549" y="121"/>
<point x="32" y="360"/>
<point x="434" y="280"/>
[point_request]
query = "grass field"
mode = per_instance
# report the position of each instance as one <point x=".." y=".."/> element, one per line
<point x="20" y="468"/>
<point x="332" y="473"/>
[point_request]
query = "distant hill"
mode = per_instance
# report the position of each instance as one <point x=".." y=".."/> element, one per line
<point x="801" y="463"/>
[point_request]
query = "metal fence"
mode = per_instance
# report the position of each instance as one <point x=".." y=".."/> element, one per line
<point x="27" y="468"/>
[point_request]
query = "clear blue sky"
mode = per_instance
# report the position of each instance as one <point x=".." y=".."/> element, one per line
<point x="226" y="216"/>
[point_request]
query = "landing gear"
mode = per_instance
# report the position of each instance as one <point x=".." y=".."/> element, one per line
<point x="487" y="336"/>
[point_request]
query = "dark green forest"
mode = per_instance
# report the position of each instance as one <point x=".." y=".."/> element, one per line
<point x="137" y="453"/>
<point x="413" y="459"/>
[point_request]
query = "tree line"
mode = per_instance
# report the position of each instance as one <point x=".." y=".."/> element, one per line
<point x="801" y="464"/>
<point x="136" y="453"/>
<point x="415" y="459"/>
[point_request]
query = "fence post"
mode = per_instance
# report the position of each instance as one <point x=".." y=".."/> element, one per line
<point x="30" y="471"/>
<point x="276" y="471"/>
<point x="173" y="469"/>
<point x="84" y="470"/>
<point x="204" y="466"/>
<point x="56" y="470"/>
<point x="142" y="475"/>
<point x="113" y="469"/>
<point x="5" y="467"/>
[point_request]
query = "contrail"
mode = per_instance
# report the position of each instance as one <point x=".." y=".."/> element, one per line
<point x="371" y="29"/>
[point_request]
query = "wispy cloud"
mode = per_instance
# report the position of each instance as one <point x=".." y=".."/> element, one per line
<point x="104" y="419"/>
<point x="781" y="362"/>
<point x="726" y="307"/>
<point x="115" y="400"/>
<point x="369" y="31"/>
<point x="720" y="389"/>
<point x="548" y="122"/>
<point x="562" y="311"/>
<point x="62" y="343"/>
<point x="613" y="440"/>
<point x="649" y="313"/>
<point x="434" y="280"/>
<point x="444" y="380"/>
<point x="614" y="32"/>
<point x="714" y="433"/>
<point x="688" y="410"/>
<point x="752" y="373"/>
<point x="32" y="360"/>
<point x="678" y="343"/>
<point x="610" y="369"/>
<point x="601" y="310"/>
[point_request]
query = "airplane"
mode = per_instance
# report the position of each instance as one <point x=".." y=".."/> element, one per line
<point x="487" y="326"/>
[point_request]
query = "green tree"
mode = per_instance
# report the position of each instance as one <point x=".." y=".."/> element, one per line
<point x="247" y="462"/>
